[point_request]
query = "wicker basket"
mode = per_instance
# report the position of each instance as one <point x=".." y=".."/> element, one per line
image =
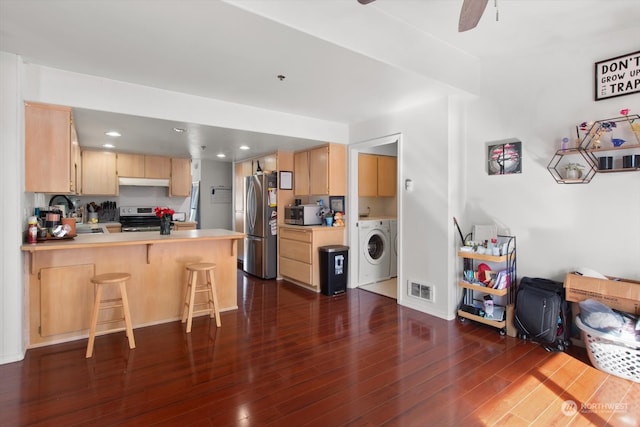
<point x="611" y="354"/>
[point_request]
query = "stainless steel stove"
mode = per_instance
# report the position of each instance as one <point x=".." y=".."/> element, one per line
<point x="138" y="218"/>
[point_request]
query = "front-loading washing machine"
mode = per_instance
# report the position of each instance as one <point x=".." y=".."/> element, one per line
<point x="393" y="238"/>
<point x="374" y="249"/>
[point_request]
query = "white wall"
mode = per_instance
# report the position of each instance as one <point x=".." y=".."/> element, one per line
<point x="13" y="221"/>
<point x="214" y="214"/>
<point x="539" y="98"/>
<point x="50" y="85"/>
<point x="425" y="224"/>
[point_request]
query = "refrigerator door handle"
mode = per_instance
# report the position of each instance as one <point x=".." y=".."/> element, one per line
<point x="251" y="203"/>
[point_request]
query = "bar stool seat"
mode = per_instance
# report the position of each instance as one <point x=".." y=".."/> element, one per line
<point x="212" y="307"/>
<point x="99" y="282"/>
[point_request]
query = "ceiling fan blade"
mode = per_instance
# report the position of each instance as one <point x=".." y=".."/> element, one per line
<point x="365" y="1"/>
<point x="470" y="14"/>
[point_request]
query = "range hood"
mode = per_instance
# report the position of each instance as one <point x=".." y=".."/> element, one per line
<point x="144" y="182"/>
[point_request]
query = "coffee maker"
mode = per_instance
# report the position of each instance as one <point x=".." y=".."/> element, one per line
<point x="49" y="217"/>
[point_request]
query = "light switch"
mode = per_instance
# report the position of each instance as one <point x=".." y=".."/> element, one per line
<point x="408" y="185"/>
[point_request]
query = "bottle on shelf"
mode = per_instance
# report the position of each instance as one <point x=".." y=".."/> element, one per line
<point x="32" y="230"/>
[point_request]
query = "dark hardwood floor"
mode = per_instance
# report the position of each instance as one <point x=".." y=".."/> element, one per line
<point x="289" y="357"/>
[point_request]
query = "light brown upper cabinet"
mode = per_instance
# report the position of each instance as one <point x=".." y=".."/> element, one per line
<point x="301" y="173"/>
<point x="99" y="173"/>
<point x="130" y="165"/>
<point x="145" y="166"/>
<point x="157" y="167"/>
<point x="387" y="176"/>
<point x="76" y="162"/>
<point x="376" y="175"/>
<point x="367" y="175"/>
<point x="321" y="171"/>
<point x="49" y="166"/>
<point x="180" y="177"/>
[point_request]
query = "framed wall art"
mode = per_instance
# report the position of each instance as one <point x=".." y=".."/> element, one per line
<point x="617" y="76"/>
<point x="336" y="203"/>
<point x="286" y="180"/>
<point x="504" y="157"/>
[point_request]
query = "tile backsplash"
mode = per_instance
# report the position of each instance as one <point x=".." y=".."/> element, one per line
<point x="138" y="196"/>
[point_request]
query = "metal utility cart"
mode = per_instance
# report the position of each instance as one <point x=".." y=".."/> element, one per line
<point x="503" y="285"/>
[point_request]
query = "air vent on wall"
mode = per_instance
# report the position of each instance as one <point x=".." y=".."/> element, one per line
<point x="421" y="290"/>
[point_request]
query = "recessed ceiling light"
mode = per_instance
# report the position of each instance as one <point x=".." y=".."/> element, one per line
<point x="179" y="130"/>
<point x="244" y="147"/>
<point x="108" y="146"/>
<point x="113" y="133"/>
<point x="220" y="155"/>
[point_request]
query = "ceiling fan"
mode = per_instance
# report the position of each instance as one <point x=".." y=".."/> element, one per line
<point x="470" y="13"/>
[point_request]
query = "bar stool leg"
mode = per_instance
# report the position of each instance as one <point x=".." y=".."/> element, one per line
<point x="187" y="297"/>
<point x="213" y="296"/>
<point x="192" y="298"/>
<point x="127" y="315"/>
<point x="94" y="320"/>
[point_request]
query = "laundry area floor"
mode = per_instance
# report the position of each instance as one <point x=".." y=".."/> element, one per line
<point x="388" y="288"/>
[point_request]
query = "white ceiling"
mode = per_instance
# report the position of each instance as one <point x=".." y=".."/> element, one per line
<point x="343" y="62"/>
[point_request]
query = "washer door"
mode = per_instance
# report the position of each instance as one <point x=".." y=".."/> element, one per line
<point x="375" y="246"/>
<point x="395" y="245"/>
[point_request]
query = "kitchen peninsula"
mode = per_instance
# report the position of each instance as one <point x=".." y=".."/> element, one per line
<point x="60" y="296"/>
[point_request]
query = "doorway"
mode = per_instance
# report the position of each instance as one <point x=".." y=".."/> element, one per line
<point x="384" y="212"/>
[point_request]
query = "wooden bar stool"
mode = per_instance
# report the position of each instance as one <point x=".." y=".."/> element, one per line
<point x="193" y="288"/>
<point x="99" y="304"/>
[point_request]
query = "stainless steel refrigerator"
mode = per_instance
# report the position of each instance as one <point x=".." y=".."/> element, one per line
<point x="194" y="203"/>
<point x="260" y="225"/>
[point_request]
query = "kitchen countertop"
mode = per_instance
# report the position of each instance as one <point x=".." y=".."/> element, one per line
<point x="310" y="227"/>
<point x="127" y="239"/>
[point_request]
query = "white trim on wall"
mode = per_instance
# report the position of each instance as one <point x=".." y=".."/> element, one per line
<point x="12" y="297"/>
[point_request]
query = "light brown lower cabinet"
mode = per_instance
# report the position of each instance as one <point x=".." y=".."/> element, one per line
<point x="299" y="252"/>
<point x="59" y="286"/>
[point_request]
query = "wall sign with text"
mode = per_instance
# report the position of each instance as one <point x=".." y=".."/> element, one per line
<point x="618" y="76"/>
